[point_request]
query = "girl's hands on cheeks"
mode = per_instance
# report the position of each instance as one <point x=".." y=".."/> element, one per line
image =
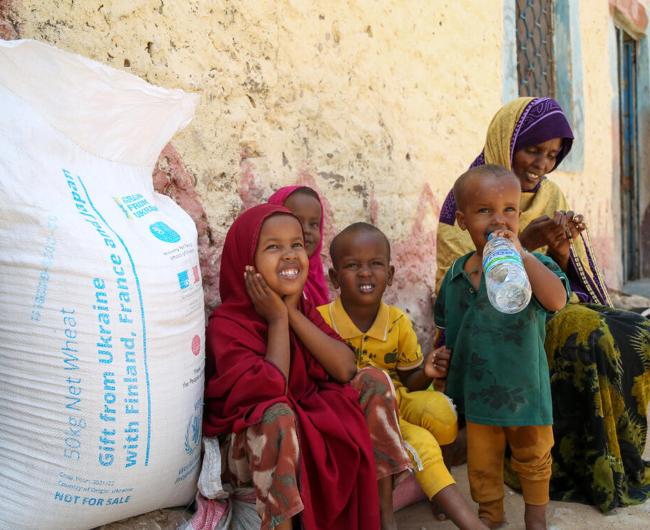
<point x="267" y="302"/>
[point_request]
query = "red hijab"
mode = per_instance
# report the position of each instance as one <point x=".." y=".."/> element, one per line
<point x="337" y="480"/>
<point x="316" y="289"/>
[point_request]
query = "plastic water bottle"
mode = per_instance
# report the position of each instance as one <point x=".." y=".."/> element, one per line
<point x="506" y="280"/>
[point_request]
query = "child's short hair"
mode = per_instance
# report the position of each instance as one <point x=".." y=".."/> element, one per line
<point x="353" y="229"/>
<point x="462" y="182"/>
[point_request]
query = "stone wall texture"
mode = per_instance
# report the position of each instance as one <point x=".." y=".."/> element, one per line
<point x="379" y="105"/>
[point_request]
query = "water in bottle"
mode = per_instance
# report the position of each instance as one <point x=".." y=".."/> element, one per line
<point x="506" y="280"/>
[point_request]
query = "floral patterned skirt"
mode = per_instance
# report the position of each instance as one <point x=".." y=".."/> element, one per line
<point x="265" y="457"/>
<point x="377" y="400"/>
<point x="599" y="360"/>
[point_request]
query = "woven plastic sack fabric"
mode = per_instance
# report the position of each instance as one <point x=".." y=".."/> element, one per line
<point x="210" y="485"/>
<point x="101" y="305"/>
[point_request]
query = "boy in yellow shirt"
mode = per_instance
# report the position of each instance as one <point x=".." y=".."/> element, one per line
<point x="382" y="336"/>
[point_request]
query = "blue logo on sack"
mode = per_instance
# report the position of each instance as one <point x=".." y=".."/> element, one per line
<point x="193" y="429"/>
<point x="183" y="279"/>
<point x="163" y="232"/>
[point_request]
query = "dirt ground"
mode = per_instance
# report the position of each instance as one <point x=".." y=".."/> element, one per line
<point x="560" y="515"/>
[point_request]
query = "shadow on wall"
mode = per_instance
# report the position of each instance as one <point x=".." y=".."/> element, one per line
<point x="8" y="24"/>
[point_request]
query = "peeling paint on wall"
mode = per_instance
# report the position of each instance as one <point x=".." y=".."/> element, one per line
<point x="8" y="21"/>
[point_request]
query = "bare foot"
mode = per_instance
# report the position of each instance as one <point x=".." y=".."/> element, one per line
<point x="388" y="522"/>
<point x="454" y="505"/>
<point x="437" y="511"/>
<point x="535" y="517"/>
<point x="492" y="524"/>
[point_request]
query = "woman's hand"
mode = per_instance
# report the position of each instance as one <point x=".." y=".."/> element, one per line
<point x="555" y="233"/>
<point x="571" y="225"/>
<point x="436" y="363"/>
<point x="576" y="224"/>
<point x="540" y="232"/>
<point x="267" y="302"/>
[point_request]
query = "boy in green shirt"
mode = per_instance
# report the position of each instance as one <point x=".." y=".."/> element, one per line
<point x="498" y="376"/>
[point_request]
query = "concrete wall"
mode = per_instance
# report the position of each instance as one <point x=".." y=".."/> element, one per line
<point x="378" y="105"/>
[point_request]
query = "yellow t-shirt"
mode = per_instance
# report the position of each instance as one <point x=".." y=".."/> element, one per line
<point x="390" y="344"/>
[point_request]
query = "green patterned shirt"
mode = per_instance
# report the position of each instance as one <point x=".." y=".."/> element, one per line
<point x="499" y="373"/>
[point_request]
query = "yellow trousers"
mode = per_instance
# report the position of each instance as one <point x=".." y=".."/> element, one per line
<point x="531" y="460"/>
<point x="427" y="421"/>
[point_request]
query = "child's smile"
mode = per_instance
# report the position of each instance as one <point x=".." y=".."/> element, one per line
<point x="280" y="256"/>
<point x="289" y="273"/>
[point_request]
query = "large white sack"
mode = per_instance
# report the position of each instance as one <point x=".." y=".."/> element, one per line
<point x="101" y="306"/>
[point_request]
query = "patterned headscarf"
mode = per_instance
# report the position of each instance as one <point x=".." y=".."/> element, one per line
<point x="537" y="120"/>
<point x="519" y="124"/>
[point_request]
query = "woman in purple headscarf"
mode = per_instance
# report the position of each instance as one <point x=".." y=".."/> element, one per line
<point x="599" y="357"/>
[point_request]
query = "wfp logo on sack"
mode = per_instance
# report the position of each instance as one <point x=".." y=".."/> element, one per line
<point x="193" y="430"/>
<point x="164" y="232"/>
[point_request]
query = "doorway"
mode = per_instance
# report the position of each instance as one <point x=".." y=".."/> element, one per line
<point x="629" y="184"/>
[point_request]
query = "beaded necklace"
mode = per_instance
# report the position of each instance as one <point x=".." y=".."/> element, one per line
<point x="598" y="291"/>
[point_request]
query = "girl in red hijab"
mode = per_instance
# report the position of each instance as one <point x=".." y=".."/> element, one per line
<point x="275" y="385"/>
